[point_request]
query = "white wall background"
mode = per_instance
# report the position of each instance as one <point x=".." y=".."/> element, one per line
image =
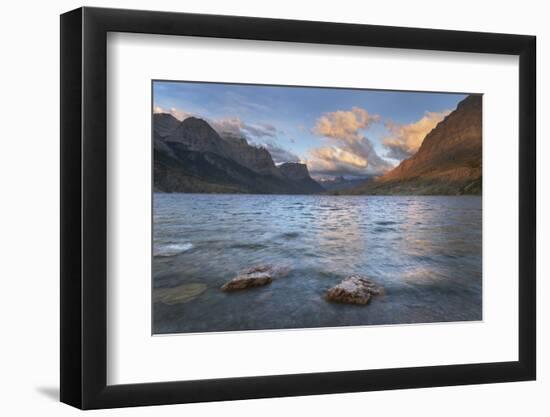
<point x="29" y="164"/>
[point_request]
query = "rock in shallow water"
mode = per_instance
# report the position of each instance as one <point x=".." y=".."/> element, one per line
<point x="180" y="294"/>
<point x="256" y="276"/>
<point x="353" y="290"/>
<point x="241" y="282"/>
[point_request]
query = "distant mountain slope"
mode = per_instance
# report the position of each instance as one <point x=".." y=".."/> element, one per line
<point x="199" y="136"/>
<point x="190" y="156"/>
<point x="299" y="174"/>
<point x="334" y="185"/>
<point x="449" y="161"/>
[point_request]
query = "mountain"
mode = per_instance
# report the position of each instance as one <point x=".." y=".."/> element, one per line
<point x="298" y="174"/>
<point x="257" y="159"/>
<point x="447" y="163"/>
<point x="190" y="156"/>
<point x="164" y="124"/>
<point x="341" y="183"/>
<point x="199" y="136"/>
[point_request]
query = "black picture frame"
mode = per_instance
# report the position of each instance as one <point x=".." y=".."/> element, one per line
<point x="84" y="207"/>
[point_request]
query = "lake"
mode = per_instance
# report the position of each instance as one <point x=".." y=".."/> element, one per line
<point x="425" y="251"/>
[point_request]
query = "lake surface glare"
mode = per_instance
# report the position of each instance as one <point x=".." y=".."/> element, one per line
<point x="425" y="251"/>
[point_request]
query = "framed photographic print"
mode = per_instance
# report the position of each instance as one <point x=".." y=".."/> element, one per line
<point x="257" y="207"/>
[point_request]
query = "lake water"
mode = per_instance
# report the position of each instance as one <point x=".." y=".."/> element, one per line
<point x="424" y="251"/>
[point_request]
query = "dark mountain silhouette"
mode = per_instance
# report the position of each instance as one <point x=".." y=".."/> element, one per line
<point x="190" y="156"/>
<point x="298" y="174"/>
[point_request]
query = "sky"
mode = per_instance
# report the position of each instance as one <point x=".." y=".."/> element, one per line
<point x="335" y="131"/>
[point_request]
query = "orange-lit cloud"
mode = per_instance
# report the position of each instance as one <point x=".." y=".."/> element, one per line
<point x="405" y="139"/>
<point x="349" y="151"/>
<point x="344" y="125"/>
<point x="335" y="161"/>
<point x="335" y="155"/>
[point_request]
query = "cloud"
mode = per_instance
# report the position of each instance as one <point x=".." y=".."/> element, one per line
<point x="232" y="125"/>
<point x="405" y="139"/>
<point x="177" y="113"/>
<point x="344" y="125"/>
<point x="279" y="154"/>
<point x="261" y="130"/>
<point x="349" y="151"/>
<point x="334" y="160"/>
<point x="269" y="128"/>
<point x="242" y="103"/>
<point x="236" y="126"/>
<point x="258" y="134"/>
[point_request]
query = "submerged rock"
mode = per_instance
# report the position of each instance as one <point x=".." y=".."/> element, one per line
<point x="241" y="282"/>
<point x="180" y="294"/>
<point x="354" y="290"/>
<point x="275" y="272"/>
<point x="255" y="276"/>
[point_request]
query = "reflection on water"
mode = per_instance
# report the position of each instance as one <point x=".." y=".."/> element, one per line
<point x="425" y="251"/>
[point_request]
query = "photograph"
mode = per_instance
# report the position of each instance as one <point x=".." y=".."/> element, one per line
<point x="335" y="203"/>
<point x="296" y="207"/>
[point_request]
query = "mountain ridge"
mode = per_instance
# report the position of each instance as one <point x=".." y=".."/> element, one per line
<point x="449" y="161"/>
<point x="191" y="156"/>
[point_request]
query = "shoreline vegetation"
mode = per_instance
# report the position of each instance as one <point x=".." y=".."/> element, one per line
<point x="191" y="157"/>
